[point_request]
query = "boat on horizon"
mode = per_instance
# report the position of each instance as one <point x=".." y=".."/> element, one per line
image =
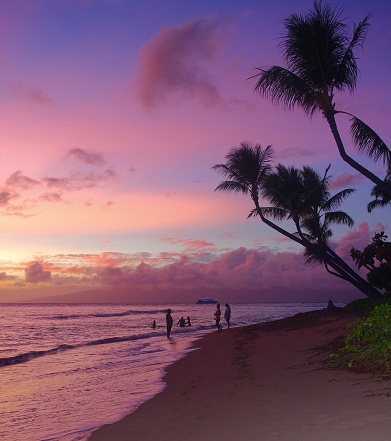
<point x="206" y="300"/>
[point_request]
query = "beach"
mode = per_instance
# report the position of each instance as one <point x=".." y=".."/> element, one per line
<point x="263" y="382"/>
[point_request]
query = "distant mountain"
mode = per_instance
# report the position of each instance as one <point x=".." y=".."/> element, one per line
<point x="88" y="296"/>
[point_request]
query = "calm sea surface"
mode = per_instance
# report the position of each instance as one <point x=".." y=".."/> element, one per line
<point x="68" y="369"/>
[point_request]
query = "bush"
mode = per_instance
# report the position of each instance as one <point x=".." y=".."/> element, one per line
<point x="368" y="344"/>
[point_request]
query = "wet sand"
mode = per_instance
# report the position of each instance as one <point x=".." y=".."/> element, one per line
<point x="261" y="383"/>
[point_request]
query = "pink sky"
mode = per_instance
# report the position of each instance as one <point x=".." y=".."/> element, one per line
<point x="112" y="114"/>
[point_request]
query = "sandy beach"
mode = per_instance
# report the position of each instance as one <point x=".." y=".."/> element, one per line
<point x="263" y="382"/>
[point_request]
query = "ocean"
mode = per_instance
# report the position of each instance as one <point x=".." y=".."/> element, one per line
<point x="67" y="369"/>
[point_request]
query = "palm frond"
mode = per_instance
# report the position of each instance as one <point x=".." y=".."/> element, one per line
<point x="232" y="186"/>
<point x="382" y="199"/>
<point x="377" y="203"/>
<point x="338" y="217"/>
<point x="275" y="212"/>
<point x="284" y="87"/>
<point x="335" y="201"/>
<point x="367" y="141"/>
<point x="347" y="71"/>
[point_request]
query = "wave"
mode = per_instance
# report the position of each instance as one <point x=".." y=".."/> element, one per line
<point x="28" y="356"/>
<point x="108" y="314"/>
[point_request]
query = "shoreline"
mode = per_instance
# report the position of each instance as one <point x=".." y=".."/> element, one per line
<point x="266" y="382"/>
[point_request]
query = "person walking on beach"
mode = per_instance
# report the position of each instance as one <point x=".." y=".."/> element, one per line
<point x="217" y="317"/>
<point x="169" y="322"/>
<point x="227" y="314"/>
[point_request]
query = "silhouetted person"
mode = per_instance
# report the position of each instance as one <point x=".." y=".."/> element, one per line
<point x="181" y="322"/>
<point x="154" y="324"/>
<point x="217" y="317"/>
<point x="227" y="314"/>
<point x="330" y="305"/>
<point x="188" y="321"/>
<point x="169" y="322"/>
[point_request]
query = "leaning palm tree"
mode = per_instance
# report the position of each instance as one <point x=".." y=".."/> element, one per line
<point x="304" y="197"/>
<point x="320" y="62"/>
<point x="248" y="170"/>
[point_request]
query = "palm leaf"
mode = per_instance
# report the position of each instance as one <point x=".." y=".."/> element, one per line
<point x="284" y="87"/>
<point x="367" y="141"/>
<point x="338" y="217"/>
<point x="232" y="186"/>
<point x="336" y="200"/>
<point x="347" y="72"/>
<point x="275" y="212"/>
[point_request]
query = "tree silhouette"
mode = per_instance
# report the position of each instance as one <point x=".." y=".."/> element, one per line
<point x="248" y="170"/>
<point x="321" y="61"/>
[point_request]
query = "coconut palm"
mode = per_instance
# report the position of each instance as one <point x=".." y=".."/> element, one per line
<point x="321" y="61"/>
<point x="381" y="199"/>
<point x="248" y="170"/>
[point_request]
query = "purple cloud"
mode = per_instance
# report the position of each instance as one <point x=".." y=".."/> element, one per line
<point x="20" y="181"/>
<point x="80" y="180"/>
<point x="175" y="62"/>
<point x="32" y="94"/>
<point x="35" y="273"/>
<point x="86" y="156"/>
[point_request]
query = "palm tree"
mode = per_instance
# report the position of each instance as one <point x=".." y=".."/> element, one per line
<point x="304" y="197"/>
<point x="381" y="199"/>
<point x="320" y="62"/>
<point x="248" y="170"/>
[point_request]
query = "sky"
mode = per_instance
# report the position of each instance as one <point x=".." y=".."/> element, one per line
<point x="112" y="114"/>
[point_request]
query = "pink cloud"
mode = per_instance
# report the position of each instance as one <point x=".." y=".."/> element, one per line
<point x="230" y="235"/>
<point x="86" y="156"/>
<point x="188" y="243"/>
<point x="241" y="275"/>
<point x="5" y="198"/>
<point x="18" y="180"/>
<point x="347" y="180"/>
<point x="32" y="94"/>
<point x="80" y="180"/>
<point x="175" y="62"/>
<point x="51" y="197"/>
<point x="358" y="238"/>
<point x="35" y="273"/>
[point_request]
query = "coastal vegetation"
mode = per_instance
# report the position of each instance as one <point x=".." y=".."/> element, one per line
<point x="321" y="61"/>
<point x="367" y="346"/>
<point x="301" y="196"/>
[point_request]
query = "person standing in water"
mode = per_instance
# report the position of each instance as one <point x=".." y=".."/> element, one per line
<point x="169" y="322"/>
<point x="217" y="317"/>
<point x="227" y="314"/>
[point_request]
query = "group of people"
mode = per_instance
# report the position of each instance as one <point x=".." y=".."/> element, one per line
<point x="182" y="322"/>
<point x="227" y="316"/>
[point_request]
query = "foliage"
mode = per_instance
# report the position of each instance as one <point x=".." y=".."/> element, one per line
<point x="320" y="56"/>
<point x="368" y="344"/>
<point x="376" y="257"/>
<point x="300" y="195"/>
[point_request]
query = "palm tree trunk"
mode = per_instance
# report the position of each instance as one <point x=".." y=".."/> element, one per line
<point x="368" y="174"/>
<point x="343" y="270"/>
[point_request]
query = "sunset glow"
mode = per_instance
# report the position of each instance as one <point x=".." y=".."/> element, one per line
<point x="112" y="114"/>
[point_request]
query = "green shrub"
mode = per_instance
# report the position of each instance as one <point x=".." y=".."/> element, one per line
<point x="372" y="334"/>
<point x="368" y="344"/>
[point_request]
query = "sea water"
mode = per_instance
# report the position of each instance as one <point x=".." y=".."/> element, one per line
<point x="67" y="369"/>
